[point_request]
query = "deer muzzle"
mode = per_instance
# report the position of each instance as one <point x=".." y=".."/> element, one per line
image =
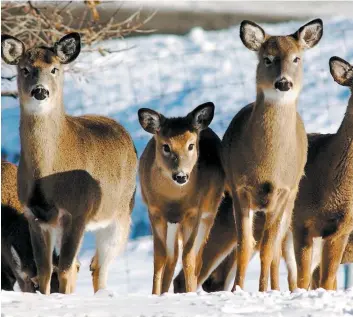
<point x="283" y="84"/>
<point x="40" y="93"/>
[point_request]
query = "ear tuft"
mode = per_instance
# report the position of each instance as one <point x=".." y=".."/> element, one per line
<point x="341" y="71"/>
<point x="150" y="120"/>
<point x="11" y="49"/>
<point x="310" y="34"/>
<point x="202" y="115"/>
<point x="252" y="35"/>
<point x="68" y="48"/>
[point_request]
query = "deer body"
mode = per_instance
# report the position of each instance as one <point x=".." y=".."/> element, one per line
<point x="75" y="173"/>
<point x="264" y="151"/>
<point x="325" y="205"/>
<point x="182" y="190"/>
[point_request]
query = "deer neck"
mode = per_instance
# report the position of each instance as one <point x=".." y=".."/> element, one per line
<point x="341" y="148"/>
<point x="40" y="135"/>
<point x="274" y="118"/>
<point x="346" y="128"/>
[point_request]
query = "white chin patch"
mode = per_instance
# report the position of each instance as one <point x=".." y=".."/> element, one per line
<point x="275" y="96"/>
<point x="39" y="107"/>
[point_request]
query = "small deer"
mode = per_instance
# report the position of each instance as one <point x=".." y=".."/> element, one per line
<point x="17" y="261"/>
<point x="265" y="149"/>
<point x="323" y="214"/>
<point x="182" y="182"/>
<point x="75" y="173"/>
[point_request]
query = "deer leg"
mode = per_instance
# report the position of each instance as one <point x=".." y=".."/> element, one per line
<point x="315" y="278"/>
<point x="246" y="242"/>
<point x="213" y="253"/>
<point x="159" y="231"/>
<point x="110" y="241"/>
<point x="70" y="245"/>
<point x="289" y="258"/>
<point x="303" y="246"/>
<point x="204" y="228"/>
<point x="172" y="255"/>
<point x="331" y="258"/>
<point x="275" y="271"/>
<point x="268" y="249"/>
<point x="189" y="232"/>
<point x="43" y="246"/>
<point x="215" y="259"/>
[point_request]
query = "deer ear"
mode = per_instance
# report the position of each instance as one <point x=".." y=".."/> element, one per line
<point x="68" y="48"/>
<point x="310" y="34"/>
<point x="11" y="49"/>
<point x="150" y="120"/>
<point x="202" y="115"/>
<point x="341" y="71"/>
<point x="252" y="35"/>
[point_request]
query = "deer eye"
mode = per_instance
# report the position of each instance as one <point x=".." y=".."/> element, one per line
<point x="166" y="148"/>
<point x="191" y="147"/>
<point x="296" y="60"/>
<point x="54" y="70"/>
<point x="25" y="71"/>
<point x="267" y="61"/>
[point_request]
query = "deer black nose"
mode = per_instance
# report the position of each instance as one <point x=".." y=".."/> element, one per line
<point x="180" y="178"/>
<point x="283" y="84"/>
<point x="40" y="93"/>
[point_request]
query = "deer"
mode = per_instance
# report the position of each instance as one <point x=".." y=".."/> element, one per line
<point x="265" y="146"/>
<point x="323" y="214"/>
<point x="76" y="173"/>
<point x="182" y="182"/>
<point x="17" y="261"/>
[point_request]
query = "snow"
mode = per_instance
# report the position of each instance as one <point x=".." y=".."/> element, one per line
<point x="106" y="303"/>
<point x="174" y="74"/>
<point x="129" y="289"/>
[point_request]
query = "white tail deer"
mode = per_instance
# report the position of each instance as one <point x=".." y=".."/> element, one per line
<point x="265" y="146"/>
<point x="323" y="214"/>
<point x="182" y="182"/>
<point x="75" y="173"/>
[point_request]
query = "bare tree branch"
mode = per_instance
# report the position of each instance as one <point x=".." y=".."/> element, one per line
<point x="9" y="78"/>
<point x="13" y="94"/>
<point x="38" y="25"/>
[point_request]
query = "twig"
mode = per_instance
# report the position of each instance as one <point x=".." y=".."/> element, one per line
<point x="9" y="78"/>
<point x="13" y="94"/>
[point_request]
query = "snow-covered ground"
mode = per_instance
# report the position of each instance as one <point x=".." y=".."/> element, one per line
<point x="129" y="289"/>
<point x="173" y="74"/>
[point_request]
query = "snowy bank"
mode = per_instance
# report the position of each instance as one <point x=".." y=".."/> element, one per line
<point x="301" y="303"/>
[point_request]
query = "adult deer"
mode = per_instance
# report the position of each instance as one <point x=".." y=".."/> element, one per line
<point x="75" y="173"/>
<point x="323" y="214"/>
<point x="182" y="182"/>
<point x="265" y="146"/>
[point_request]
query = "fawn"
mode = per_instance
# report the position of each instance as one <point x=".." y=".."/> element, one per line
<point x="182" y="182"/>
<point x="75" y="173"/>
<point x="265" y="146"/>
<point x="323" y="214"/>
